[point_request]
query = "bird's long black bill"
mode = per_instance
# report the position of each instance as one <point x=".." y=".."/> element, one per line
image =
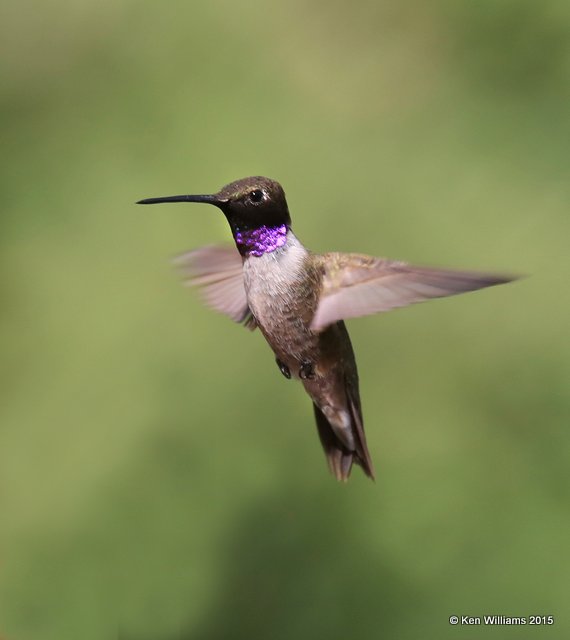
<point x="208" y="199"/>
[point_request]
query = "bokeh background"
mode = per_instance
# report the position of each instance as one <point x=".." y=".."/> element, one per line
<point x="159" y="479"/>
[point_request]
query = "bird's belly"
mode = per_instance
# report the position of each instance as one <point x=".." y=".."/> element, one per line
<point x="283" y="321"/>
<point x="283" y="303"/>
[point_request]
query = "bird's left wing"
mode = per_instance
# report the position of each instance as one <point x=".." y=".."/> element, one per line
<point x="217" y="271"/>
<point x="357" y="285"/>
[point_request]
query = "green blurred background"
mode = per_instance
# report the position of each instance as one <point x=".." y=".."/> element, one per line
<point x="159" y="479"/>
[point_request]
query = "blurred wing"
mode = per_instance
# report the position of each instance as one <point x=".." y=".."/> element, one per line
<point x="357" y="285"/>
<point x="217" y="271"/>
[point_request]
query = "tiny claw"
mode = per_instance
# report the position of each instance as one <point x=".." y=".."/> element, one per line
<point x="307" y="371"/>
<point x="283" y="368"/>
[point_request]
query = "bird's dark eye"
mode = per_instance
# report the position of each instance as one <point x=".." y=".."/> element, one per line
<point x="256" y="195"/>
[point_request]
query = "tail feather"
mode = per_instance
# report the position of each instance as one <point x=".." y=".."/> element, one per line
<point x="363" y="456"/>
<point x="339" y="458"/>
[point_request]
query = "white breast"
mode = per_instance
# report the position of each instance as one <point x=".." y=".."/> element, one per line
<point x="273" y="276"/>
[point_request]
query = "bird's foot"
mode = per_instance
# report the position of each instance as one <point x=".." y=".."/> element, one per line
<point x="283" y="368"/>
<point x="307" y="371"/>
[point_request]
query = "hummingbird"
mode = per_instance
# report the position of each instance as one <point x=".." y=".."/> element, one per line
<point x="299" y="300"/>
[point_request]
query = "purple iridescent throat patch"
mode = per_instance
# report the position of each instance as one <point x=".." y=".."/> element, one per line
<point x="256" y="242"/>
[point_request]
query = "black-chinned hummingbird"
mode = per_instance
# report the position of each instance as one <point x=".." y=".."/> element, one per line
<point x="299" y="300"/>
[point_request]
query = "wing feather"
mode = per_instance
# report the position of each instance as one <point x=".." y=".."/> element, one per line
<point x="217" y="271"/>
<point x="356" y="285"/>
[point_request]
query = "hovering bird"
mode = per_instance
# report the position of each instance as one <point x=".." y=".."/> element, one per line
<point x="299" y="300"/>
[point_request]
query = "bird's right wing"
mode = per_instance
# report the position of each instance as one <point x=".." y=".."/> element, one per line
<point x="357" y="285"/>
<point x="217" y="271"/>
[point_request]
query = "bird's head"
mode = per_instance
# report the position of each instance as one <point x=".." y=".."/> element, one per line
<point x="248" y="203"/>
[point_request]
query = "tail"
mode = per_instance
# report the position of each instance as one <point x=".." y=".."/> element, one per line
<point x="340" y="459"/>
